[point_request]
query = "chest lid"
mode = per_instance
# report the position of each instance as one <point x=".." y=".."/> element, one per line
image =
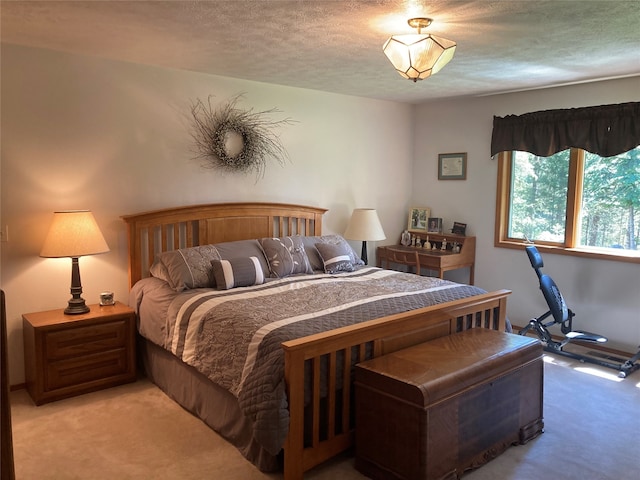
<point x="429" y="372"/>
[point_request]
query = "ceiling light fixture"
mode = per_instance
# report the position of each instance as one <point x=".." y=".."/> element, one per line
<point x="418" y="56"/>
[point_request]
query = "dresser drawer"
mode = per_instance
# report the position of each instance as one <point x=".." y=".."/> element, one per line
<point x="85" y="340"/>
<point x="80" y="370"/>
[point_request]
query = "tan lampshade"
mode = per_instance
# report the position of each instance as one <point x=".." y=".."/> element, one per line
<point x="364" y="225"/>
<point x="73" y="233"/>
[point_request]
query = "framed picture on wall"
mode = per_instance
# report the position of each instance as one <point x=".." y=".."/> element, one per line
<point x="452" y="166"/>
<point x="418" y="219"/>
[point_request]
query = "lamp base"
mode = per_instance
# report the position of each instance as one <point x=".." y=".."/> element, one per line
<point x="76" y="303"/>
<point x="363" y="254"/>
<point x="76" y="307"/>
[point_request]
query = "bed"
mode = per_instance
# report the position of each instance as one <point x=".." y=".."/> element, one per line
<point x="284" y="397"/>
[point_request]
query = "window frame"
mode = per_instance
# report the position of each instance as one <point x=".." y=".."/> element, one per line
<point x="570" y="246"/>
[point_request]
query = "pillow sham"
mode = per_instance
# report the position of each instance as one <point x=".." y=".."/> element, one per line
<point x="188" y="267"/>
<point x="316" y="261"/>
<point x="237" y="272"/>
<point x="286" y="256"/>
<point x="335" y="258"/>
<point x="159" y="270"/>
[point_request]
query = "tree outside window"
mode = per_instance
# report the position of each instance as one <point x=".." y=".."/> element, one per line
<point x="571" y="200"/>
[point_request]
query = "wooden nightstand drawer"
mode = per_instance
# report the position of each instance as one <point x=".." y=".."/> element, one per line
<point x="67" y="355"/>
<point x="85" y="340"/>
<point x="78" y="370"/>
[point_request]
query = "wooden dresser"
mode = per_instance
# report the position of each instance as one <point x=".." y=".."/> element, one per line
<point x="436" y="259"/>
<point x="67" y="355"/>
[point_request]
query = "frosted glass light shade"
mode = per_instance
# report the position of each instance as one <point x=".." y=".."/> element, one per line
<point x="418" y="56"/>
<point x="73" y="233"/>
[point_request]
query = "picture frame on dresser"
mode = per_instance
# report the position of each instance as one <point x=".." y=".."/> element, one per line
<point x="459" y="228"/>
<point x="418" y="217"/>
<point x="434" y="225"/>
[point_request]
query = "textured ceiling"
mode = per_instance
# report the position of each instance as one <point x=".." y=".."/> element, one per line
<point x="336" y="45"/>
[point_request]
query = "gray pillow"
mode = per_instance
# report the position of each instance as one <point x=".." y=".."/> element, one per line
<point x="237" y="272"/>
<point x="243" y="248"/>
<point x="187" y="267"/>
<point x="191" y="267"/>
<point x="335" y="258"/>
<point x="314" y="257"/>
<point x="286" y="256"/>
<point x="159" y="270"/>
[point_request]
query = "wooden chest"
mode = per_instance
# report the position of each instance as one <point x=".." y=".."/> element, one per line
<point x="440" y="408"/>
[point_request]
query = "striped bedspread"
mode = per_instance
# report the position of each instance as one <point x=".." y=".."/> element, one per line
<point x="234" y="337"/>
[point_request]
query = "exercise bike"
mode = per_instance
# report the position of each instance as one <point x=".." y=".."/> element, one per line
<point x="563" y="316"/>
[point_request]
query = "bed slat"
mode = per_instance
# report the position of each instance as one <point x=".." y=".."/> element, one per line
<point x="346" y="391"/>
<point x="331" y="396"/>
<point x="151" y="249"/>
<point x="316" y="401"/>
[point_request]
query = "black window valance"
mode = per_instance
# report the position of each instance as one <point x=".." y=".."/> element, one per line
<point x="605" y="130"/>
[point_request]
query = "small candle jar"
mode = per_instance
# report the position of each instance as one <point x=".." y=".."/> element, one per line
<point x="106" y="298"/>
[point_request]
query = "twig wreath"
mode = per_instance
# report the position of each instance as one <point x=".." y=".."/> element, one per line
<point x="213" y="128"/>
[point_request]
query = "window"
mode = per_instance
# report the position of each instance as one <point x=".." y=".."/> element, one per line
<point x="573" y="201"/>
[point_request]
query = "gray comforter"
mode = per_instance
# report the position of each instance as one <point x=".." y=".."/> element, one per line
<point x="234" y="337"/>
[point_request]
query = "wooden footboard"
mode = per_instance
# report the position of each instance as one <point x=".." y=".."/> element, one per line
<point x="330" y="429"/>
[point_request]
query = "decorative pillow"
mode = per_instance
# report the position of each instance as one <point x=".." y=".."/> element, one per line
<point x="314" y="257"/>
<point x="286" y="256"/>
<point x="237" y="272"/>
<point x="241" y="249"/>
<point x="189" y="267"/>
<point x="335" y="258"/>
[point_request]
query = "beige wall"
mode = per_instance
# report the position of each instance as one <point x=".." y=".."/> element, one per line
<point x="79" y="132"/>
<point x="605" y="295"/>
<point x="112" y="137"/>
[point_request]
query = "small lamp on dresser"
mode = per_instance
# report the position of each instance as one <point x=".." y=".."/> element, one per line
<point x="364" y="225"/>
<point x="74" y="234"/>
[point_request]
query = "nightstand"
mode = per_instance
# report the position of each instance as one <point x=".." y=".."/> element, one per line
<point x="67" y="355"/>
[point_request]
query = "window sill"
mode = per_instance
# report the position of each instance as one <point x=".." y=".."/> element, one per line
<point x="627" y="256"/>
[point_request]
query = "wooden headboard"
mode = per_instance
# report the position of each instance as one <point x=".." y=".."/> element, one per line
<point x="151" y="233"/>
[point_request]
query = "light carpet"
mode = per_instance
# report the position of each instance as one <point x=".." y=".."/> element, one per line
<point x="592" y="431"/>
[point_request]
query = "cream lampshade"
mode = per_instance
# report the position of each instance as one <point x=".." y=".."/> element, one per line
<point x="74" y="233"/>
<point x="364" y="225"/>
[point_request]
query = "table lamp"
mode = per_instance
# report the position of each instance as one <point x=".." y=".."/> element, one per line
<point x="364" y="225"/>
<point x="74" y="233"/>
